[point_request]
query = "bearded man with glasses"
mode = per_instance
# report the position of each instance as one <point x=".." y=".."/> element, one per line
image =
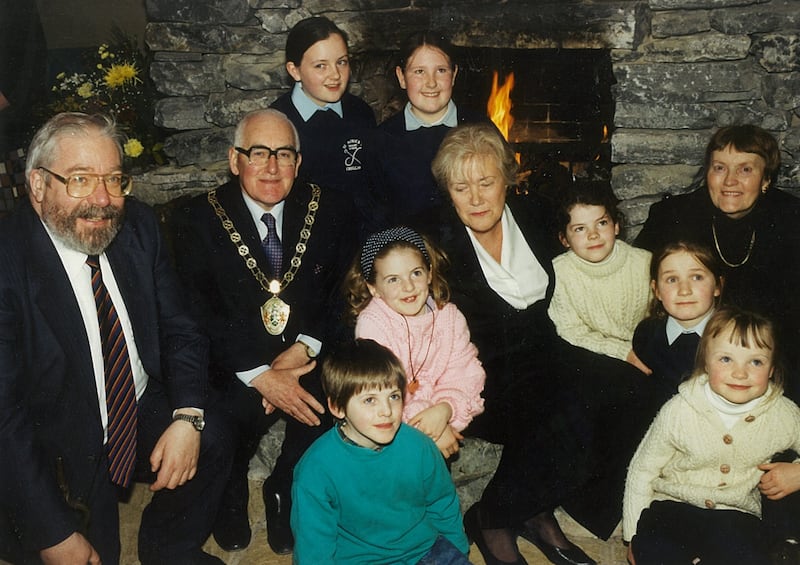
<point x="262" y="258"/>
<point x="103" y="374"/>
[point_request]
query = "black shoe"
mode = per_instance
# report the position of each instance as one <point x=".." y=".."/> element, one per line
<point x="574" y="555"/>
<point x="232" y="529"/>
<point x="472" y="528"/>
<point x="278" y="509"/>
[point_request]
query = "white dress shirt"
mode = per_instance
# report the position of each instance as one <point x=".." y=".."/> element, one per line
<point x="80" y="277"/>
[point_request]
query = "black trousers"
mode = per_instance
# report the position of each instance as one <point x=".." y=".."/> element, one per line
<point x="177" y="522"/>
<point x="672" y="533"/>
<point x="243" y="405"/>
<point x="573" y="421"/>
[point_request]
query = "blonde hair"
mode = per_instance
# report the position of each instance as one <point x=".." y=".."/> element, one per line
<point x="355" y="284"/>
<point x="357" y="366"/>
<point x="464" y="144"/>
<point x="744" y="328"/>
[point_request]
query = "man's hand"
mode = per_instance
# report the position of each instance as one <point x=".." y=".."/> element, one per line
<point x="279" y="386"/>
<point x="175" y="455"/>
<point x="75" y="550"/>
<point x="780" y="479"/>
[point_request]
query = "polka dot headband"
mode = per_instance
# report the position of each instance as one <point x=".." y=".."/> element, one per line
<point x="377" y="241"/>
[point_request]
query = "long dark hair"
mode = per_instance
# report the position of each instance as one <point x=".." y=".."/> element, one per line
<point x="306" y="33"/>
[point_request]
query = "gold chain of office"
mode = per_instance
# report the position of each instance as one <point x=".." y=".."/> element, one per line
<point x="273" y="287"/>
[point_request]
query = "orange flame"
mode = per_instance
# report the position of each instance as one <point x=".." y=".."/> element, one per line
<point x="499" y="105"/>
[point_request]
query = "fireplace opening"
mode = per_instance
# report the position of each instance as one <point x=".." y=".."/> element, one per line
<point x="561" y="106"/>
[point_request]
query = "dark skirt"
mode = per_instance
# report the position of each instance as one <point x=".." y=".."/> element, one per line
<point x="570" y="421"/>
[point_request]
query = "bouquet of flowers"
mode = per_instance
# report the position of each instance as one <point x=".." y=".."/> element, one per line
<point x="114" y="80"/>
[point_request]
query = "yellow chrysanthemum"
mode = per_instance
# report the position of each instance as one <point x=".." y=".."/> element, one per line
<point x="133" y="148"/>
<point x="86" y="90"/>
<point x="119" y="75"/>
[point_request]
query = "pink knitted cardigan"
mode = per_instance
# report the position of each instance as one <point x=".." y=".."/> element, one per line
<point x="449" y="372"/>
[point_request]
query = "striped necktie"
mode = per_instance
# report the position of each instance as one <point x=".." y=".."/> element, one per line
<point x="120" y="391"/>
<point x="272" y="246"/>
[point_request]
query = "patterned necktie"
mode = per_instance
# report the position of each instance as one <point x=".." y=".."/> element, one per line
<point x="120" y="391"/>
<point x="272" y="246"/>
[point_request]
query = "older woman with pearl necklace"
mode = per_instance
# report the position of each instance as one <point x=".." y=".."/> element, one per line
<point x="751" y="226"/>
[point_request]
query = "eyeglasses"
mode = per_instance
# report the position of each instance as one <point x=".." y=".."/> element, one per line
<point x="81" y="185"/>
<point x="259" y="155"/>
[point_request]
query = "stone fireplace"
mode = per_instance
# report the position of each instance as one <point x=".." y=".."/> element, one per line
<point x="560" y="104"/>
<point x="674" y="71"/>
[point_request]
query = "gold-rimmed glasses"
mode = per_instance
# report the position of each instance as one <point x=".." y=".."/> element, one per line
<point x="81" y="185"/>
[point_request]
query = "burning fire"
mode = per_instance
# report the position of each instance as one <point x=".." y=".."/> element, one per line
<point x="499" y="105"/>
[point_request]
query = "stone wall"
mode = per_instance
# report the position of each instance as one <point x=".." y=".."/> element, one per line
<point x="683" y="68"/>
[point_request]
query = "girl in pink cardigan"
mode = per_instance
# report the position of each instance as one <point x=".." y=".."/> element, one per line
<point x="400" y="298"/>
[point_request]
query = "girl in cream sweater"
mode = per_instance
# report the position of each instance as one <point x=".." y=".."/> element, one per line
<point x="602" y="284"/>
<point x="692" y="491"/>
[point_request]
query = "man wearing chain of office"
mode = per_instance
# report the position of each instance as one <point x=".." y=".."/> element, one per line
<point x="262" y="258"/>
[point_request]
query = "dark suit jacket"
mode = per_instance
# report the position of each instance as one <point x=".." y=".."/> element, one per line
<point x="48" y="399"/>
<point x="227" y="298"/>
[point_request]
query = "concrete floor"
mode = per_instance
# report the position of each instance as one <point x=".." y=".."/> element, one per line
<point x="611" y="552"/>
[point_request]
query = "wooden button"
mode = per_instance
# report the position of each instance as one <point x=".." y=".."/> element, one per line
<point x="710" y="504"/>
<point x="728" y="439"/>
<point x="724" y="469"/>
<point x="750" y="418"/>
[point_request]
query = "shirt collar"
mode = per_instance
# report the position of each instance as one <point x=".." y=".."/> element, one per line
<point x="340" y="428"/>
<point x="257" y="211"/>
<point x="450" y="118"/>
<point x="674" y="329"/>
<point x="307" y="107"/>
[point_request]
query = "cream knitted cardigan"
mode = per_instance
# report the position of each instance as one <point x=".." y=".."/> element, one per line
<point x="598" y="305"/>
<point x="689" y="456"/>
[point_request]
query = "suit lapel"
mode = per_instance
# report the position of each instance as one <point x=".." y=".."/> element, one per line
<point x="52" y="295"/>
<point x="294" y="213"/>
<point x="230" y="197"/>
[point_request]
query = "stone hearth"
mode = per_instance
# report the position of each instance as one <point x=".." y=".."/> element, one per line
<point x="682" y="68"/>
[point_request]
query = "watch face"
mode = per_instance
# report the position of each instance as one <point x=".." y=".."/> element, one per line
<point x="197" y="421"/>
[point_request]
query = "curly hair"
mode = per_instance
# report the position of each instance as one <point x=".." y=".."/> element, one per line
<point x="355" y="284"/>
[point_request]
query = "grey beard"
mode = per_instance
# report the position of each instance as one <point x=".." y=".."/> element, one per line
<point x="64" y="226"/>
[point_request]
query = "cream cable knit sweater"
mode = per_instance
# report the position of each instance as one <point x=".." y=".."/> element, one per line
<point x="688" y="455"/>
<point x="598" y="305"/>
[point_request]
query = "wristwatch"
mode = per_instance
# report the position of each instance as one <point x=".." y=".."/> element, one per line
<point x="197" y="421"/>
<point x="309" y="350"/>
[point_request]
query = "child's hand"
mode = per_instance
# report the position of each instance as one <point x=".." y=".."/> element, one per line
<point x="780" y="479"/>
<point x="433" y="420"/>
<point x="634" y="360"/>
<point x="448" y="442"/>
